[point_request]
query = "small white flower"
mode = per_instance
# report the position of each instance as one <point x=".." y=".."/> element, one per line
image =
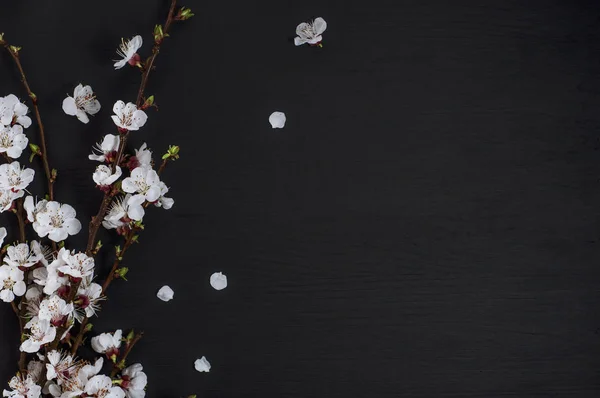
<point x="310" y="32"/>
<point x="106" y="150"/>
<point x="202" y="365"/>
<point x="40" y="332"/>
<point x="163" y="201"/>
<point x="88" y="297"/>
<point x="103" y="176"/>
<point x="59" y="366"/>
<point x="144" y="181"/>
<point x="165" y="293"/>
<point x="49" y="276"/>
<point x="143" y="156"/>
<point x="82" y="103"/>
<point x="218" y="281"/>
<point x="2" y="235"/>
<point x="128" y="51"/>
<point x="55" y="310"/>
<point x="123" y="210"/>
<point x="11" y="283"/>
<point x="13" y="111"/>
<point x="101" y="386"/>
<point x="277" y="120"/>
<point x="15" y="178"/>
<point x="128" y="117"/>
<point x="21" y="255"/>
<point x="23" y="387"/>
<point x="55" y="220"/>
<point x="107" y="343"/>
<point x="78" y="265"/>
<point x="12" y="140"/>
<point x="7" y="197"/>
<point x="134" y="381"/>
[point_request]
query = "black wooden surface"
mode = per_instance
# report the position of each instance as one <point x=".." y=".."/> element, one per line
<point x="426" y="225"/>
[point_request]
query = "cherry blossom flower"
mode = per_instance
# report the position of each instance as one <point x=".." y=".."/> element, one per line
<point x="12" y="140"/>
<point x="13" y="111"/>
<point x="143" y="181"/>
<point x="123" y="210"/>
<point x="165" y="293"/>
<point x="142" y="158"/>
<point x="41" y="332"/>
<point x="55" y="310"/>
<point x="7" y="197"/>
<point x="202" y="365"/>
<point x="15" y="178"/>
<point x="107" y="343"/>
<point x="11" y="283"/>
<point x="54" y="220"/>
<point x="23" y="387"/>
<point x="82" y="103"/>
<point x="87" y="299"/>
<point x="218" y="281"/>
<point x="128" y="51"/>
<point x="106" y="150"/>
<point x="59" y="366"/>
<point x="2" y="235"/>
<point x="310" y="32"/>
<point x="134" y="381"/>
<point x="277" y="120"/>
<point x="163" y="201"/>
<point x="128" y="117"/>
<point x="104" y="177"/>
<point x="100" y="386"/>
<point x="44" y="253"/>
<point x="21" y="255"/>
<point x="77" y="265"/>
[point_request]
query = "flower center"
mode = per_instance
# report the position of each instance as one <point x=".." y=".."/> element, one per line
<point x="9" y="283"/>
<point x="81" y="101"/>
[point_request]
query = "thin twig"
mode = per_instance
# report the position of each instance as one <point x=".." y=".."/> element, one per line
<point x="121" y="364"/>
<point x="44" y="155"/>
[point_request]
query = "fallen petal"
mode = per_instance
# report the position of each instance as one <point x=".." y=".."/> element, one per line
<point x="165" y="293"/>
<point x="218" y="281"/>
<point x="277" y="120"/>
<point x="202" y="365"/>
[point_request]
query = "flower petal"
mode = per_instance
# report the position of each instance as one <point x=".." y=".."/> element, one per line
<point x="118" y="107"/>
<point x="165" y="293"/>
<point x="81" y="115"/>
<point x="319" y="25"/>
<point x="218" y="281"/>
<point x="202" y="365"/>
<point x="69" y="106"/>
<point x="277" y="120"/>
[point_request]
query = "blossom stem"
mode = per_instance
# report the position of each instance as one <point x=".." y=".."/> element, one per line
<point x="120" y="365"/>
<point x="117" y="262"/>
<point x="44" y="155"/>
<point x="21" y="220"/>
<point x="97" y="220"/>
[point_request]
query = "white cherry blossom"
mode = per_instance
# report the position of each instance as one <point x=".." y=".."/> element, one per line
<point x="55" y="310"/>
<point x="107" y="343"/>
<point x="143" y="156"/>
<point x="23" y="387"/>
<point x="88" y="297"/>
<point x="104" y="177"/>
<point x="163" y="201"/>
<point x="143" y="181"/>
<point x="59" y="366"/>
<point x="54" y="220"/>
<point x="13" y="111"/>
<point x="101" y="386"/>
<point x="202" y="365"/>
<point x="310" y="32"/>
<point x="128" y="117"/>
<point x="49" y="277"/>
<point x="123" y="210"/>
<point x="277" y="120"/>
<point x="134" y="381"/>
<point x="106" y="150"/>
<point x="21" y="255"/>
<point x="128" y="50"/>
<point x="77" y="265"/>
<point x="44" y="253"/>
<point x="82" y="103"/>
<point x="7" y="197"/>
<point x="12" y="140"/>
<point x="11" y="283"/>
<point x="41" y="332"/>
<point x="14" y="177"/>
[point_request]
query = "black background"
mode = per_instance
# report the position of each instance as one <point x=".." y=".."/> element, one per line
<point x="426" y="224"/>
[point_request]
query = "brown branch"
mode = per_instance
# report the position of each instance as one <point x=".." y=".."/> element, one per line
<point x="119" y="366"/>
<point x="44" y="155"/>
<point x="97" y="220"/>
<point x="21" y="220"/>
<point x="117" y="262"/>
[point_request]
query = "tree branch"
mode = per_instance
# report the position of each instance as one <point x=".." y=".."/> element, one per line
<point x="119" y="366"/>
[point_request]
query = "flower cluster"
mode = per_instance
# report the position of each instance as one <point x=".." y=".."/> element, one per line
<point x="13" y="180"/>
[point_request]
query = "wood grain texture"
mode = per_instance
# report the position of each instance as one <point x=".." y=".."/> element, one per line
<point x="426" y="225"/>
